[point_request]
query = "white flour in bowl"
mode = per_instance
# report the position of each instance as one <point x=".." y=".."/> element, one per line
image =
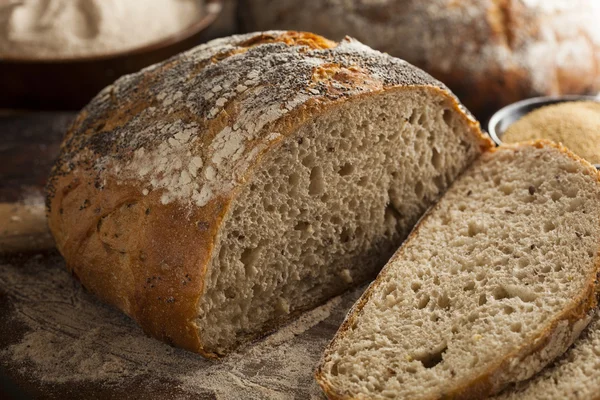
<point x="58" y="29"/>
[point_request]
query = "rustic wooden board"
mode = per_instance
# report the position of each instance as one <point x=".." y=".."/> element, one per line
<point x="57" y="341"/>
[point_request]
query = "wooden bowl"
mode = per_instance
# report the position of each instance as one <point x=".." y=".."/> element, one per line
<point x="70" y="83"/>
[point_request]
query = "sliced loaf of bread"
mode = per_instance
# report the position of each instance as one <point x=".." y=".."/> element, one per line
<point x="221" y="193"/>
<point x="496" y="281"/>
<point x="574" y="376"/>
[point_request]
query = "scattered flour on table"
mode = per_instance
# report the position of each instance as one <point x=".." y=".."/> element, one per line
<point x="73" y="337"/>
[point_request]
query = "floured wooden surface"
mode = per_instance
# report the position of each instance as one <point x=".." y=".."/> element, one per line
<point x="61" y="342"/>
<point x="29" y="143"/>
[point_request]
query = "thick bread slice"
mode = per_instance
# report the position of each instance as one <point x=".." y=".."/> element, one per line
<point x="574" y="376"/>
<point x="496" y="281"/>
<point x="217" y="195"/>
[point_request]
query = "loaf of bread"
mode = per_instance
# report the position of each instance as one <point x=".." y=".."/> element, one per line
<point x="217" y="195"/>
<point x="495" y="282"/>
<point x="489" y="52"/>
<point x="575" y="376"/>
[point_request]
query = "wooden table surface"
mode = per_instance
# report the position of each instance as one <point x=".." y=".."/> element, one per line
<point x="59" y="342"/>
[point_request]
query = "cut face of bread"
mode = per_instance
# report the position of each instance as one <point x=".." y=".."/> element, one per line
<point x="495" y="282"/>
<point x="216" y="195"/>
<point x="574" y="376"/>
<point x="327" y="209"/>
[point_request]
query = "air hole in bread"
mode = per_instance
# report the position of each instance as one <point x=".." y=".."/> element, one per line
<point x="523" y="262"/>
<point x="433" y="358"/>
<point x="475" y="228"/>
<point x="419" y="190"/>
<point x="447" y="116"/>
<point x="500" y="293"/>
<point x="575" y="205"/>
<point x="436" y="159"/>
<point x="392" y="217"/>
<point x="346" y="169"/>
<point x="423" y="301"/>
<point x="444" y="301"/>
<point x="294" y="179"/>
<point x="309" y="161"/>
<point x="482" y="299"/>
<point x="249" y="258"/>
<point x="346" y="235"/>
<point x="529" y="199"/>
<point x="414" y="117"/>
<point x="549" y="226"/>
<point x="473" y="316"/>
<point x="546" y="269"/>
<point x="415" y="286"/>
<point x="317" y="185"/>
<point x="520" y="275"/>
<point x="556" y="196"/>
<point x="507" y="189"/>
<point x="516" y="327"/>
<point x="302" y="226"/>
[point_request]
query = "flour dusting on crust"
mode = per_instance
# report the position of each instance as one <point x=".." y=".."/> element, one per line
<point x="192" y="126"/>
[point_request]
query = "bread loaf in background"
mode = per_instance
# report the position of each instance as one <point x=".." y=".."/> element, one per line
<point x="216" y="195"/>
<point x="489" y="52"/>
<point x="496" y="281"/>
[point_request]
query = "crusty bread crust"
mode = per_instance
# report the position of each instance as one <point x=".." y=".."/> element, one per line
<point x="552" y="342"/>
<point x="142" y="239"/>
<point x="489" y="52"/>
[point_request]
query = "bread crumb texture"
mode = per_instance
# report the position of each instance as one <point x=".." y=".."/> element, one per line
<point x="496" y="281"/>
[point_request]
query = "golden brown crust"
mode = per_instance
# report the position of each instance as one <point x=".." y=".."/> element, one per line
<point x="491" y="381"/>
<point x="143" y="242"/>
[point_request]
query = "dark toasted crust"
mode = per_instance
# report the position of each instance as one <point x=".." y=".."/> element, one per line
<point x="147" y="252"/>
<point x="490" y="53"/>
<point x="494" y="379"/>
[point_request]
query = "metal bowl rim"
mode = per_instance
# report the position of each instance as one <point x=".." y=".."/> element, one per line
<point x="499" y="115"/>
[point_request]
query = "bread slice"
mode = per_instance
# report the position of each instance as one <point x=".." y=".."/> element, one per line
<point x="574" y="376"/>
<point x="217" y="195"/>
<point x="496" y="281"/>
